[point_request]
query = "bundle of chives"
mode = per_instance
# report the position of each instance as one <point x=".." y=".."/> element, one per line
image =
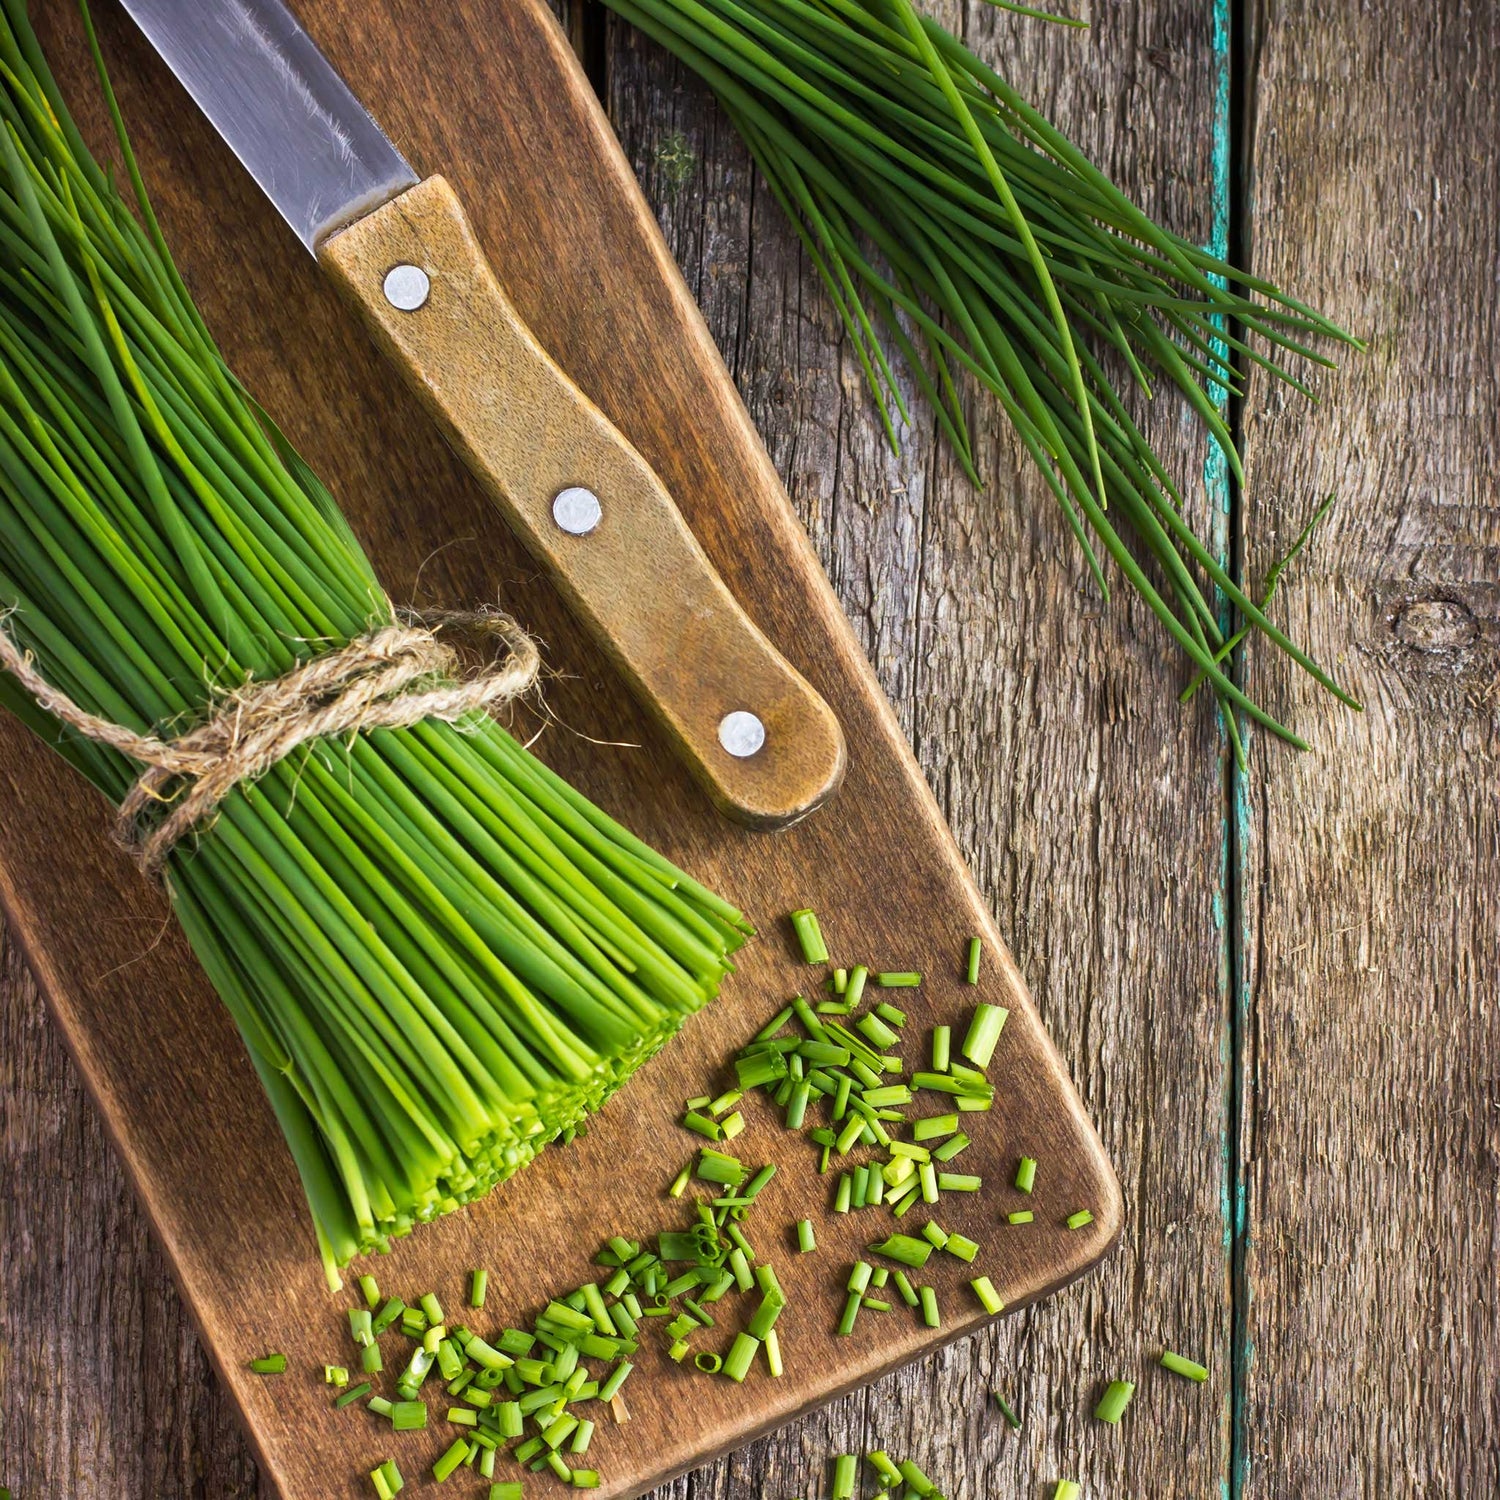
<point x="440" y="956"/>
<point x="924" y="187"/>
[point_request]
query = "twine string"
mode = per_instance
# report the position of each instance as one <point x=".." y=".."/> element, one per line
<point x="389" y="679"/>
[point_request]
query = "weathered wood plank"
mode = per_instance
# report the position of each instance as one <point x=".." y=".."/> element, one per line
<point x="1089" y="806"/>
<point x="1373" y="920"/>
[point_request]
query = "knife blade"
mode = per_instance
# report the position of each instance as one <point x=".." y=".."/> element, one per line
<point x="754" y="732"/>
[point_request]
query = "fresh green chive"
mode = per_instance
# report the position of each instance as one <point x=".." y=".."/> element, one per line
<point x="942" y="1044"/>
<point x="774" y="1365"/>
<point x="905" y="1250"/>
<point x="930" y="1315"/>
<point x="1026" y="1174"/>
<point x="984" y="1033"/>
<point x="1021" y="1216"/>
<point x="958" y="1182"/>
<point x="478" y="1283"/>
<point x="409" y="1416"/>
<point x="859" y="1277"/>
<point x="908" y="1291"/>
<point x="450" y="1460"/>
<point x="855" y="992"/>
<point x="335" y="1375"/>
<point x="971" y="966"/>
<point x="353" y="1394"/>
<point x="741" y="1356"/>
<point x="906" y="979"/>
<point x="989" y="1298"/>
<point x="1178" y="1365"/>
<point x="933" y="1127"/>
<point x="809" y="936"/>
<point x="845" y="1476"/>
<point x="1079" y="1219"/>
<point x="805" y="1240"/>
<point x="269" y="1364"/>
<point x="850" y="1313"/>
<point x="1116" y="1398"/>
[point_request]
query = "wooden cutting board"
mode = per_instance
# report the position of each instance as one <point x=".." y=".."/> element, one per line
<point x="490" y="94"/>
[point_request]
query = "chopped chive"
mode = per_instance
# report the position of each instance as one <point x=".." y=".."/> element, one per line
<point x="726" y="1100"/>
<point x="582" y="1437"/>
<point x="774" y="1365"/>
<point x="379" y="1406"/>
<point x="1021" y="1216"/>
<point x="1079" y="1219"/>
<point x="951" y="1147"/>
<point x="387" y="1315"/>
<point x="805" y="1239"/>
<point x="741" y="1356"/>
<point x="845" y="1476"/>
<point x="984" y="1033"/>
<point x="774" y="1025"/>
<point x="710" y="1130"/>
<point x="907" y="1290"/>
<point x="962" y="1246"/>
<point x="942" y="1044"/>
<point x="585" y="1479"/>
<point x="934" y="1234"/>
<point x="928" y="1178"/>
<point x="850" y="1313"/>
<point x="809" y="936"/>
<point x="382" y="1489"/>
<point x="732" y="1125"/>
<point x="839" y="981"/>
<point x="1006" y="1411"/>
<point x="842" y="1194"/>
<point x="361" y="1326"/>
<point x="907" y="979"/>
<point x="510" y="1490"/>
<point x="759" y="1179"/>
<point x="409" y="1416"/>
<point x="933" y="1127"/>
<point x="1178" y="1365"/>
<point x="678" y="1351"/>
<point x="450" y="1461"/>
<point x="353" y="1394"/>
<point x="883" y="1465"/>
<point x="432" y="1308"/>
<point x="876" y="1304"/>
<point x="930" y="1315"/>
<point x="958" y="1182"/>
<point x="859" y="1277"/>
<point x="335" y="1375"/>
<point x="989" y="1298"/>
<point x="1026" y="1174"/>
<point x="708" y="1362"/>
<point x="873" y="1028"/>
<point x="369" y="1289"/>
<point x="971" y="966"/>
<point x="1067" y="1489"/>
<point x="1116" y="1398"/>
<point x="617" y="1378"/>
<point x="269" y="1364"/>
<point x="856" y="989"/>
<point x="462" y="1416"/>
<point x="478" y="1284"/>
<point x="905" y="1250"/>
<point x="916" y="1479"/>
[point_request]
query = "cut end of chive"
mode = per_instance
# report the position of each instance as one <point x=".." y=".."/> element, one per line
<point x="1080" y="1219"/>
<point x="269" y="1364"/>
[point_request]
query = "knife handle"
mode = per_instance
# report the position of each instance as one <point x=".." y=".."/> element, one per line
<point x="553" y="463"/>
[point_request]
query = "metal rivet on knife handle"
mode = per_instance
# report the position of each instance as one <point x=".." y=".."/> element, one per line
<point x="741" y="733"/>
<point x="576" y="510"/>
<point x="406" y="287"/>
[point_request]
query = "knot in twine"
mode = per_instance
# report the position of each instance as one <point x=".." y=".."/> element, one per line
<point x="383" y="680"/>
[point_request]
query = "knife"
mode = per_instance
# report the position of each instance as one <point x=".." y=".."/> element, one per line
<point x="588" y="507"/>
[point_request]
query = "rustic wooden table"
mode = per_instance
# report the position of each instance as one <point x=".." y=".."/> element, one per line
<point x="1277" y="991"/>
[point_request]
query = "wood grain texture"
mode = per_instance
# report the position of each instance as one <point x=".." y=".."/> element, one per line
<point x="657" y="607"/>
<point x="1372" y="1104"/>
<point x="157" y="1049"/>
